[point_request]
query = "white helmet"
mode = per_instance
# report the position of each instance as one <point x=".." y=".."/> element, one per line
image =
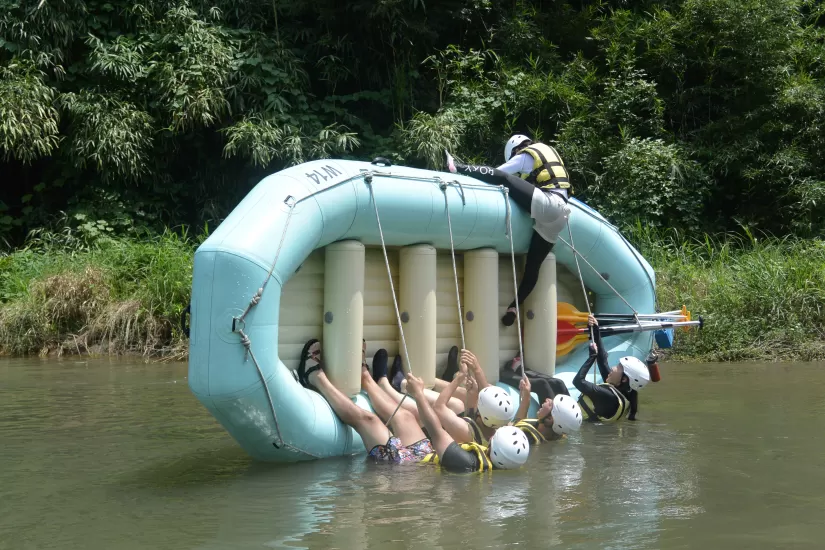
<point x="636" y="372"/>
<point x="509" y="448"/>
<point x="495" y="407"/>
<point x="512" y="143"/>
<point x="567" y="416"/>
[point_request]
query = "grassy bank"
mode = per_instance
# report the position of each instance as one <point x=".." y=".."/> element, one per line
<point x="61" y="295"/>
<point x="760" y="298"/>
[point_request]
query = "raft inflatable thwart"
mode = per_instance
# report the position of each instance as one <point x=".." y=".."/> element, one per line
<point x="303" y="256"/>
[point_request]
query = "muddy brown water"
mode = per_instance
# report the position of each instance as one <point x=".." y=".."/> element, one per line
<point x="119" y="454"/>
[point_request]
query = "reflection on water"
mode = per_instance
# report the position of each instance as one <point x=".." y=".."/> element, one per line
<point x="100" y="454"/>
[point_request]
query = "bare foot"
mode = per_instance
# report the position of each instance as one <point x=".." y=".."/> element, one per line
<point x="366" y="377"/>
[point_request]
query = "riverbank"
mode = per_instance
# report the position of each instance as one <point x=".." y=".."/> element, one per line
<point x="115" y="296"/>
<point x="762" y="299"/>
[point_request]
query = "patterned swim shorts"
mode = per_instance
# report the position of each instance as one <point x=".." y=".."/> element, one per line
<point x="397" y="453"/>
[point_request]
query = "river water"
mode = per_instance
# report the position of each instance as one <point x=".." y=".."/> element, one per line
<point x="112" y="454"/>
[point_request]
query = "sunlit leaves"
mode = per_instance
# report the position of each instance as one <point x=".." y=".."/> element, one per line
<point x="263" y="141"/>
<point x="28" y="119"/>
<point x="113" y="136"/>
<point x="192" y="65"/>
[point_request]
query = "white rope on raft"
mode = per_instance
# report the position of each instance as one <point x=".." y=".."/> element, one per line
<point x="596" y="271"/>
<point x="368" y="181"/>
<point x="584" y="290"/>
<point x="509" y="230"/>
<point x="444" y="186"/>
<point x="247" y="343"/>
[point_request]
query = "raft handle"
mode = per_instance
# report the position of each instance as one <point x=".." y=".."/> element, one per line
<point x="183" y="326"/>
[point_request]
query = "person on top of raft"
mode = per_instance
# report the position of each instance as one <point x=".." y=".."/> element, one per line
<point x="542" y="190"/>
<point x="407" y="443"/>
<point x="618" y="394"/>
<point x="556" y="417"/>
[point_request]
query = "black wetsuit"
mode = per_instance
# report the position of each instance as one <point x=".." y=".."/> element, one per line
<point x="459" y="461"/>
<point x="605" y="402"/>
<point x="544" y="385"/>
<point x="522" y="193"/>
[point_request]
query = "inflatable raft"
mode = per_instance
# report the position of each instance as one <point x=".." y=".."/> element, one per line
<point x="303" y="256"/>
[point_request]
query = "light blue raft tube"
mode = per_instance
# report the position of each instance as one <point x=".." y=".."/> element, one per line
<point x="234" y="368"/>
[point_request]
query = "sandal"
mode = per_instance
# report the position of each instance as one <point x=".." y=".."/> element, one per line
<point x="302" y="371"/>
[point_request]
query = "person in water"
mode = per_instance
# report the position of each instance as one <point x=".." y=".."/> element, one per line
<point x="618" y="395"/>
<point x="495" y="409"/>
<point x="406" y="443"/>
<point x="545" y="386"/>
<point x="542" y="190"/>
<point x="509" y="447"/>
<point x="381" y="374"/>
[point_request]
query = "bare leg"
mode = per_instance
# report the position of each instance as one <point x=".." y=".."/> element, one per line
<point x="407" y="405"/>
<point x="404" y="424"/>
<point x="368" y="425"/>
<point x="460" y="393"/>
<point x="456" y="405"/>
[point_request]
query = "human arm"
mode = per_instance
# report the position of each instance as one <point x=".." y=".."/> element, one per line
<point x="471" y="401"/>
<point x="580" y="380"/>
<point x="524" y="399"/>
<point x="517" y="164"/>
<point x="448" y="391"/>
<point x="452" y="423"/>
<point x="470" y="362"/>
<point x="601" y="352"/>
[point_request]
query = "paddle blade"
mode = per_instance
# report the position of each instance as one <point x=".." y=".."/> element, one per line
<point x="569" y="346"/>
<point x="565" y="332"/>
<point x="565" y="310"/>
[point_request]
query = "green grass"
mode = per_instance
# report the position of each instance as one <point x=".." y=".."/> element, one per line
<point x="116" y="296"/>
<point x="761" y="298"/>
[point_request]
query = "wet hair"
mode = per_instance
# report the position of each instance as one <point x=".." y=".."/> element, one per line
<point x="632" y="396"/>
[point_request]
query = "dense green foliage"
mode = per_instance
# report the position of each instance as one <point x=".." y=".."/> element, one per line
<point x="74" y="292"/>
<point x="81" y="292"/>
<point x="760" y="298"/>
<point x="120" y="119"/>
<point x="695" y="114"/>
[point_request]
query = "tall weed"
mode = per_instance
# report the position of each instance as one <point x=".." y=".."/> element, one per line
<point x="761" y="297"/>
<point x="114" y="295"/>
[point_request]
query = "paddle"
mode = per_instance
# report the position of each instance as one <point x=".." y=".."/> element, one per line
<point x="569" y="336"/>
<point x="568" y="312"/>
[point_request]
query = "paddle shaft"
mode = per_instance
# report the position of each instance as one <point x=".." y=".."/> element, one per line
<point x="570" y="332"/>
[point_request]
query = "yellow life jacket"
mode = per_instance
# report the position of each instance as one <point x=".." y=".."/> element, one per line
<point x="548" y="168"/>
<point x="589" y="409"/>
<point x="478" y="434"/>
<point x="530" y="427"/>
<point x="484" y="463"/>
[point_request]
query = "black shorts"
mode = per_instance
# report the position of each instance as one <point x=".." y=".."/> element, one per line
<point x="459" y="461"/>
